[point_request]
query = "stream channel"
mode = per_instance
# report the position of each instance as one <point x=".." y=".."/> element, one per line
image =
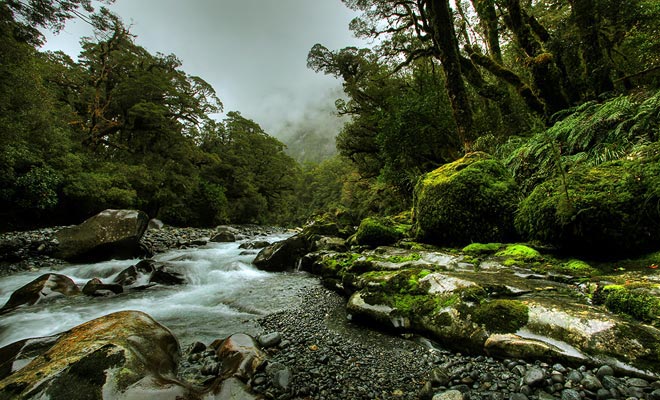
<point x="224" y="294"/>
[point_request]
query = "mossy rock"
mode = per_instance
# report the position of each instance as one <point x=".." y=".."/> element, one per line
<point x="375" y="231"/>
<point x="502" y="316"/>
<point x="470" y="200"/>
<point x="637" y="303"/>
<point x="481" y="248"/>
<point x="612" y="210"/>
<point x="516" y="254"/>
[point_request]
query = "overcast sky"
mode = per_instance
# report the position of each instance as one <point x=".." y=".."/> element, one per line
<point x="253" y="52"/>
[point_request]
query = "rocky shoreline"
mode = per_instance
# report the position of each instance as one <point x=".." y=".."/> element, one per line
<point x="315" y="352"/>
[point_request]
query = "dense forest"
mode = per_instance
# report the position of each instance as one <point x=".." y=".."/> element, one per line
<point x="549" y="88"/>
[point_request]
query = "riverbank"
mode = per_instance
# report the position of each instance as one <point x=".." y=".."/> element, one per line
<point x="318" y="353"/>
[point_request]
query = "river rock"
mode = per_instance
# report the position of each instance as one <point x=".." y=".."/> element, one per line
<point x="136" y="274"/>
<point x="166" y="274"/>
<point x="223" y="237"/>
<point x="107" y="235"/>
<point x="233" y="389"/>
<point x="96" y="288"/>
<point x="121" y="355"/>
<point x="240" y="356"/>
<point x="44" y="288"/>
<point x="283" y="255"/>
<point x="257" y="244"/>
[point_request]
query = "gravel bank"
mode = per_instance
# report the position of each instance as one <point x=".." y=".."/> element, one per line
<point x="322" y="355"/>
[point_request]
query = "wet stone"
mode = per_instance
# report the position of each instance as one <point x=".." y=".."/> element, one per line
<point x="604" y="370"/>
<point x="534" y="377"/>
<point x="570" y="394"/>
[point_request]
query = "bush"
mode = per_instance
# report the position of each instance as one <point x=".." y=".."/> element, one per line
<point x="470" y="200"/>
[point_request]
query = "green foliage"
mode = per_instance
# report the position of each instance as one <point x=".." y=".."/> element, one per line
<point x="587" y="135"/>
<point x="472" y="199"/>
<point x="612" y="209"/>
<point x="377" y="232"/>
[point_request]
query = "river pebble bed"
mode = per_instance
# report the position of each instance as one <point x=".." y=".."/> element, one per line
<point x="316" y="352"/>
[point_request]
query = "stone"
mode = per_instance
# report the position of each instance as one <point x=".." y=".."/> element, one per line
<point x="223" y="237"/>
<point x="449" y="395"/>
<point x="121" y="355"/>
<point x="136" y="274"/>
<point x="591" y="382"/>
<point x="240" y="356"/>
<point x="111" y="234"/>
<point x="637" y="382"/>
<point x="270" y="339"/>
<point x="534" y="377"/>
<point x="96" y="288"/>
<point x="574" y="376"/>
<point x="570" y="394"/>
<point x="257" y="244"/>
<point x="518" y="396"/>
<point x="166" y="274"/>
<point x="44" y="288"/>
<point x="604" y="370"/>
<point x="283" y="255"/>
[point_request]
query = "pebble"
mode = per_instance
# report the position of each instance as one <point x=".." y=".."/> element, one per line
<point x="449" y="395"/>
<point x="534" y="376"/>
<point x="604" y="370"/>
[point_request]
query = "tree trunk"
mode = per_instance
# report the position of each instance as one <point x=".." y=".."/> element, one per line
<point x="598" y="70"/>
<point x="444" y="38"/>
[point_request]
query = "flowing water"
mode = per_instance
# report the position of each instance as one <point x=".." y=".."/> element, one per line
<point x="225" y="294"/>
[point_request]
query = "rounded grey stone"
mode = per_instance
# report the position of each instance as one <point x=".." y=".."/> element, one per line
<point x="605" y="370"/>
<point x="570" y="394"/>
<point x="449" y="395"/>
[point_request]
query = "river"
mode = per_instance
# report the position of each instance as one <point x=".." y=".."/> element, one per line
<point x="225" y="294"/>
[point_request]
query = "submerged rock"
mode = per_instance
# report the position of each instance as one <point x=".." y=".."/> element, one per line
<point x="44" y="288"/>
<point x="96" y="288"/>
<point x="121" y="355"/>
<point x="241" y="356"/>
<point x="109" y="234"/>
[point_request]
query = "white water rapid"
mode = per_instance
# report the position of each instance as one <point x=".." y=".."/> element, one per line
<point x="224" y="294"/>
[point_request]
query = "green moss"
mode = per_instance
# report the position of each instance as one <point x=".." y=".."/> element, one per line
<point x="481" y="248"/>
<point x="502" y="316"/>
<point x="470" y="200"/>
<point x="611" y="210"/>
<point x="519" y="252"/>
<point x="378" y="232"/>
<point x="578" y="268"/>
<point x="402" y="259"/>
<point x="637" y="303"/>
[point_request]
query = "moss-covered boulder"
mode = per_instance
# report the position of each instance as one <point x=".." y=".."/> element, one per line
<point x="375" y="231"/>
<point x="609" y="210"/>
<point x="470" y="200"/>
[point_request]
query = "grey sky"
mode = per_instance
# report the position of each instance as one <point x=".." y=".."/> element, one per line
<point x="253" y="52"/>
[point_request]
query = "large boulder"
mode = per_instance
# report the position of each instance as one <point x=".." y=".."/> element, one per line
<point x="241" y="356"/>
<point x="283" y="255"/>
<point x="608" y="209"/>
<point x="107" y="235"/>
<point x="122" y="355"/>
<point x="44" y="288"/>
<point x="473" y="199"/>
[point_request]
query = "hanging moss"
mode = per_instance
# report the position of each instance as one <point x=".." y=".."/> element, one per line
<point x="470" y="200"/>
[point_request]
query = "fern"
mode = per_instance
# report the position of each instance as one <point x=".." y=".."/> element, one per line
<point x="589" y="134"/>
